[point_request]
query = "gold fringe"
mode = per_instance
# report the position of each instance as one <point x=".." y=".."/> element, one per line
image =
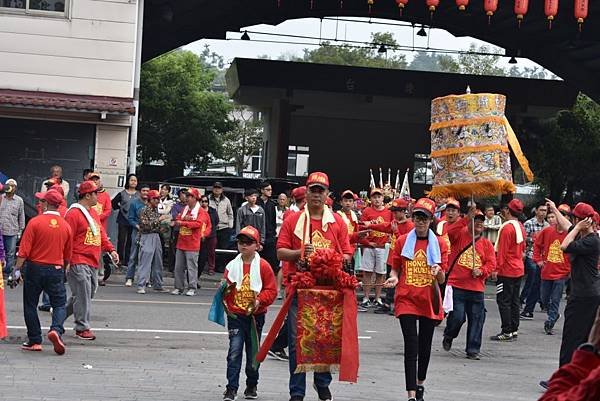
<point x="466" y="121"/>
<point x="317" y="367"/>
<point x="516" y="148"/>
<point x="469" y="149"/>
<point x="480" y="189"/>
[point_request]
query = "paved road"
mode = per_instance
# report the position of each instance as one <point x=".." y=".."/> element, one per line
<point x="162" y="347"/>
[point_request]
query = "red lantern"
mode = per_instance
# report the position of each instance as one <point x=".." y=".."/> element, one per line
<point x="401" y="5"/>
<point x="432" y="5"/>
<point x="462" y="4"/>
<point x="490" y="7"/>
<point x="551" y="9"/>
<point x="521" y="7"/>
<point x="370" y="3"/>
<point x="581" y="11"/>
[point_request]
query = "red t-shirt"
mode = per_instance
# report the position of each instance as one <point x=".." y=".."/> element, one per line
<point x="238" y="302"/>
<point x="191" y="230"/>
<point x="414" y="292"/>
<point x="378" y="217"/>
<point x="401" y="229"/>
<point x="336" y="236"/>
<point x="103" y="208"/>
<point x="47" y="240"/>
<point x="509" y="262"/>
<point x="485" y="258"/>
<point x="546" y="248"/>
<point x="87" y="246"/>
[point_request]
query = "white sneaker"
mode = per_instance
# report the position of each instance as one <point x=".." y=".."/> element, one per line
<point x="176" y="292"/>
<point x="129" y="282"/>
<point x="141" y="290"/>
<point x="190" y="293"/>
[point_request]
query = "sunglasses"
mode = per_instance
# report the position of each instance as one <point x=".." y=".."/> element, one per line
<point x="204" y="201"/>
<point x="246" y="242"/>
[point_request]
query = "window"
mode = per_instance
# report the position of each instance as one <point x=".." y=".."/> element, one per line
<point x="298" y="161"/>
<point x="46" y="7"/>
<point x="422" y="169"/>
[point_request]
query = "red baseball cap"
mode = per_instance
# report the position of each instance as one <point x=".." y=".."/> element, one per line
<point x="596" y="218"/>
<point x="375" y="191"/>
<point x="425" y="205"/>
<point x="87" y="187"/>
<point x="348" y="194"/>
<point x="516" y="206"/>
<point x="479" y="214"/>
<point x="451" y="202"/>
<point x="193" y="192"/>
<point x="299" y="193"/>
<point x="153" y="194"/>
<point x="399" y="204"/>
<point x="564" y="208"/>
<point x="249" y="232"/>
<point x="583" y="210"/>
<point x="318" y="179"/>
<point x="58" y="188"/>
<point x="52" y="197"/>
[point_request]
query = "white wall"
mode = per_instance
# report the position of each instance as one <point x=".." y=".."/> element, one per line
<point x="89" y="53"/>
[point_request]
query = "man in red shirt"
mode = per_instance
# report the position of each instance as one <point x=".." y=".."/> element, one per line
<point x="555" y="268"/>
<point x="89" y="240"/>
<point x="193" y="223"/>
<point x="451" y="216"/>
<point x="509" y="271"/>
<point x="466" y="276"/>
<point x="351" y="219"/>
<point x="301" y="233"/>
<point x="103" y="207"/>
<point x="373" y="262"/>
<point x="45" y="249"/>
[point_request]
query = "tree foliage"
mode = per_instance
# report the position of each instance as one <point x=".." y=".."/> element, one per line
<point x="244" y="139"/>
<point x="180" y="118"/>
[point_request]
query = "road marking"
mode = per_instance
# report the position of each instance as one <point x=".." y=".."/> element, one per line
<point x="162" y="331"/>
<point x="132" y="301"/>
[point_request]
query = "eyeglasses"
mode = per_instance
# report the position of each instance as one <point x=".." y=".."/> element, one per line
<point x="245" y="242"/>
<point x="420" y="217"/>
<point x="316" y="189"/>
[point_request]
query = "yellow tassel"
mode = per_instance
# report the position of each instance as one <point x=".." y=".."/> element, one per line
<point x="480" y="189"/>
<point x="317" y="367"/>
<point x="516" y="148"/>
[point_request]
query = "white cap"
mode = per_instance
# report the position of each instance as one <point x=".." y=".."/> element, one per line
<point x="11" y="181"/>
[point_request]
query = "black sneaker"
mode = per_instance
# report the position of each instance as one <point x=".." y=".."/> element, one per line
<point x="505" y="337"/>
<point x="44" y="308"/>
<point x="324" y="393"/>
<point x="548" y="328"/>
<point x="420" y="393"/>
<point x="474" y="356"/>
<point x="447" y="343"/>
<point x="229" y="395"/>
<point x="544" y="384"/>
<point x="250" y="393"/>
<point x="382" y="309"/>
<point x="279" y="355"/>
<point x="526" y="316"/>
<point x="296" y="398"/>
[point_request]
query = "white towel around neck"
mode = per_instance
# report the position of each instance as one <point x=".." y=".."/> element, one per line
<point x="88" y="217"/>
<point x="517" y="227"/>
<point x="235" y="272"/>
<point x="194" y="212"/>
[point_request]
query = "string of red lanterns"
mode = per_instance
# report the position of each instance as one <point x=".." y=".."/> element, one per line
<point x="401" y="5"/>
<point x="462" y="4"/>
<point x="521" y="7"/>
<point x="581" y="11"/>
<point x="490" y="7"/>
<point x="551" y="9"/>
<point x="432" y="5"/>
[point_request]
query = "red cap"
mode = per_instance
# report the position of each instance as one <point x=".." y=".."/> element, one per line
<point x="356" y="197"/>
<point x="583" y="210"/>
<point x="58" y="188"/>
<point x="375" y="191"/>
<point x="564" y="208"/>
<point x="479" y="213"/>
<point x="87" y="187"/>
<point x="299" y="193"/>
<point x="51" y="182"/>
<point x="425" y="205"/>
<point x="193" y="192"/>
<point x="596" y="218"/>
<point x="318" y="178"/>
<point x="329" y="202"/>
<point x="250" y="232"/>
<point x="153" y="194"/>
<point x="52" y="197"/>
<point x="453" y="203"/>
<point x="516" y="206"/>
<point x="398" y="204"/>
<point x="348" y="194"/>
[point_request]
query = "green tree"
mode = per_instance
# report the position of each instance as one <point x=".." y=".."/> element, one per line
<point x="358" y="56"/>
<point x="181" y="120"/>
<point x="244" y="139"/>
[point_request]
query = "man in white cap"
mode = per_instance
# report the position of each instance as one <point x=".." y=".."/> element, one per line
<point x="12" y="222"/>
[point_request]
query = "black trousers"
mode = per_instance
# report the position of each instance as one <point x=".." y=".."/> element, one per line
<point x="281" y="342"/>
<point x="509" y="303"/>
<point x="269" y="253"/>
<point x="390" y="293"/>
<point x="124" y="242"/>
<point x="417" y="347"/>
<point x="223" y="242"/>
<point x="580" y="314"/>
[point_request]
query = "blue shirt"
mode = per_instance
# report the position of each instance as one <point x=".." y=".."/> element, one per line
<point x="133" y="216"/>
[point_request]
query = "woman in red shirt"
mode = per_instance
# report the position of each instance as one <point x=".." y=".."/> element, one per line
<point x="418" y="265"/>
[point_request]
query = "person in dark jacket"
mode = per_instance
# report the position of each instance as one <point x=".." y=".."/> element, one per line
<point x="121" y="202"/>
<point x="269" y="253"/>
<point x="209" y="242"/>
<point x="250" y="214"/>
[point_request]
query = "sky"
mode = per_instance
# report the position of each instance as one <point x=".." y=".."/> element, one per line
<point x="330" y="29"/>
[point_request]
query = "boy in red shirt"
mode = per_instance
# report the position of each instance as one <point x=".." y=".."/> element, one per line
<point x="555" y="268"/>
<point x="89" y="239"/>
<point x="251" y="289"/>
<point x="451" y="216"/>
<point x="510" y="270"/>
<point x="466" y="276"/>
<point x="374" y="254"/>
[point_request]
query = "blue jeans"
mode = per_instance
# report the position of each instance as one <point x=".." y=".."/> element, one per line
<point x="10" y="247"/>
<point x="133" y="255"/>
<point x="38" y="278"/>
<point x="239" y="336"/>
<point x="470" y="306"/>
<point x="551" y="294"/>
<point x="45" y="300"/>
<point x="298" y="380"/>
<point x="532" y="296"/>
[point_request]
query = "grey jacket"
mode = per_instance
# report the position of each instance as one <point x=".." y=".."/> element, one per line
<point x="224" y="210"/>
<point x="246" y="217"/>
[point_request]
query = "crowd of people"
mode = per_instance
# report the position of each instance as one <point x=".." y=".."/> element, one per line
<point x="419" y="260"/>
